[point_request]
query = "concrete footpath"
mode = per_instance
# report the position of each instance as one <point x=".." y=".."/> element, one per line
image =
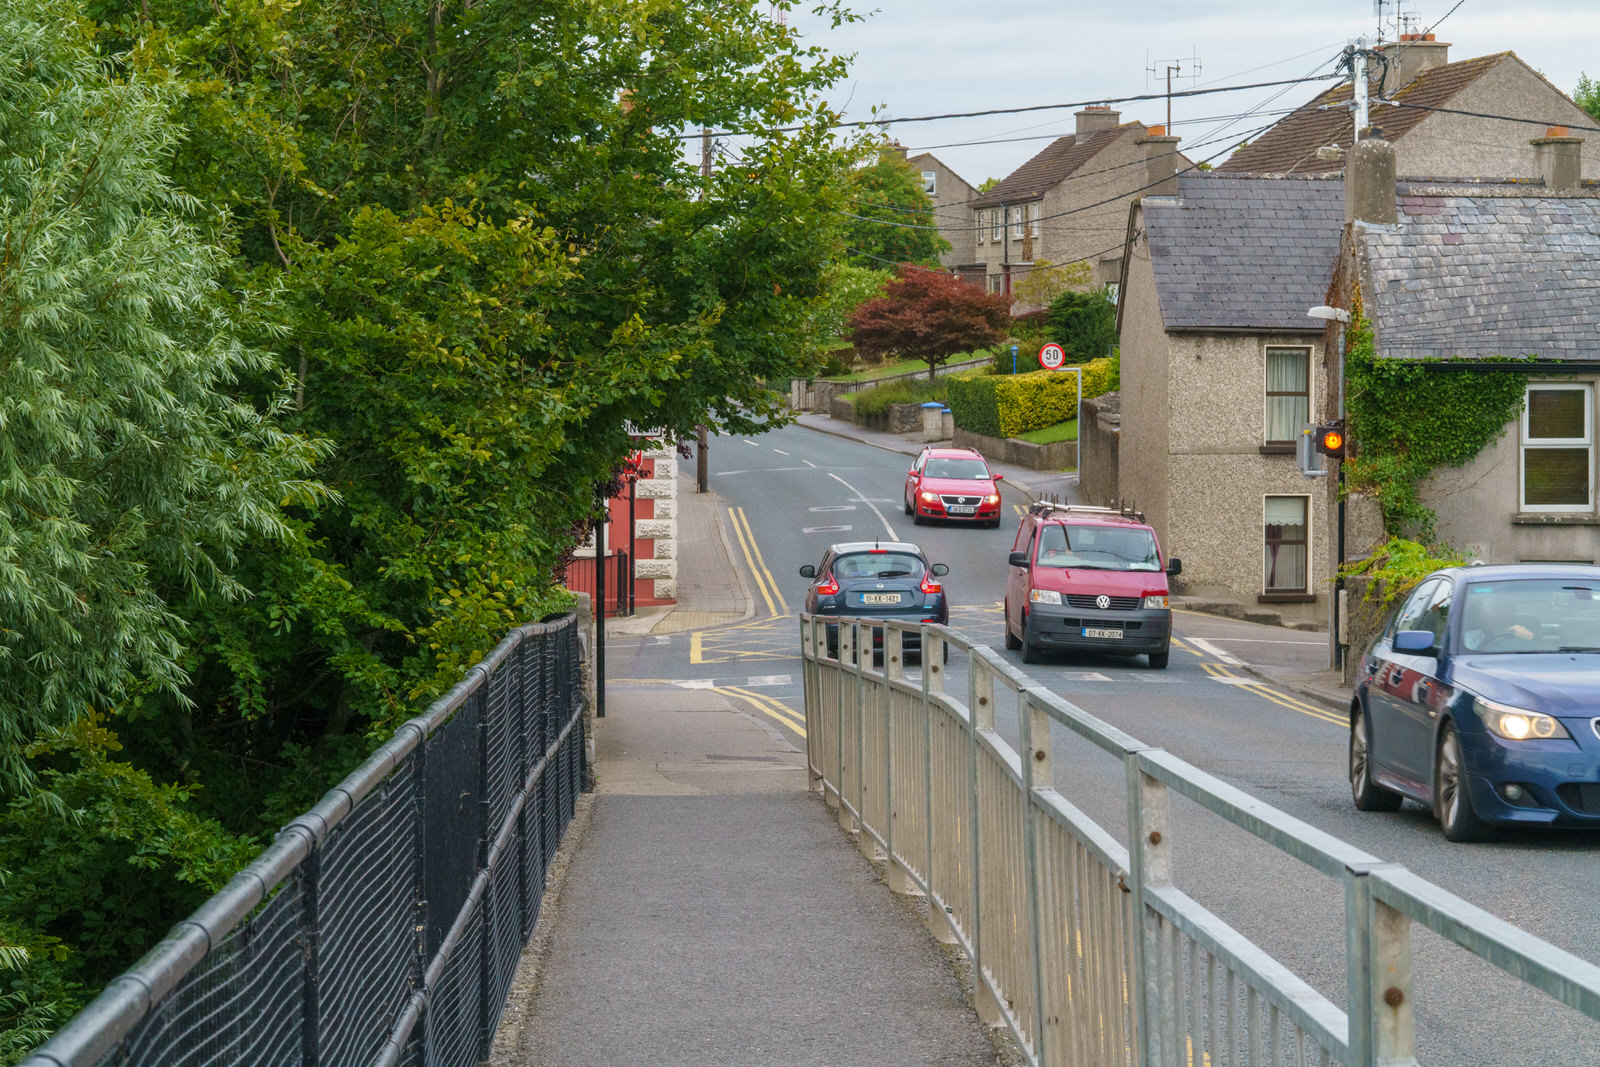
<point x="706" y="909"/>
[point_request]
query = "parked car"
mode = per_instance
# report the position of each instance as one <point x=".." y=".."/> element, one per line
<point x="1481" y="699"/>
<point x="952" y="483"/>
<point x="877" y="580"/>
<point x="1088" y="578"/>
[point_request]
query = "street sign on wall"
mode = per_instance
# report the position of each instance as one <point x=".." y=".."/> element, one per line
<point x="1052" y="356"/>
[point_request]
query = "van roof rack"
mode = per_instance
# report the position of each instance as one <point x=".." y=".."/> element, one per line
<point x="1048" y="507"/>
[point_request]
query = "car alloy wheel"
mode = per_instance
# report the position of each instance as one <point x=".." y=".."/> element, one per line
<point x="1454" y="803"/>
<point x="1367" y="794"/>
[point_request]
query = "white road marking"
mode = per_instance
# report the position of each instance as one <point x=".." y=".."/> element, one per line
<point x="808" y="463"/>
<point x="780" y="452"/>
<point x="755" y="681"/>
<point x="892" y="535"/>
<point x="1268" y="641"/>
<point x="697" y="683"/>
<point x="824" y="529"/>
<point x="1212" y="650"/>
<point x="758" y="470"/>
<point x="1234" y="681"/>
<point x="749" y="442"/>
<point x="1084" y="676"/>
<point x="836" y="507"/>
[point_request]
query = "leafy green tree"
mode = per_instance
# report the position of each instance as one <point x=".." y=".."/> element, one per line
<point x="889" y="216"/>
<point x="929" y="315"/>
<point x="1084" y="323"/>
<point x="1587" y="96"/>
<point x="1044" y="282"/>
<point x="134" y="470"/>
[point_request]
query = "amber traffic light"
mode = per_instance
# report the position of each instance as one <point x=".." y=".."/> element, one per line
<point x="1330" y="439"/>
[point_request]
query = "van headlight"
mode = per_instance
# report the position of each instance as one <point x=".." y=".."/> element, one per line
<point x="1045" y="596"/>
<point x="1157" y="602"/>
<point x="1516" y="724"/>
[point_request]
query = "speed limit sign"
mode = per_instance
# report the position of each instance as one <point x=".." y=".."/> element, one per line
<point x="1052" y="356"/>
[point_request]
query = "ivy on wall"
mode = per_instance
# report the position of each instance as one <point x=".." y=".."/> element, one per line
<point x="1408" y="418"/>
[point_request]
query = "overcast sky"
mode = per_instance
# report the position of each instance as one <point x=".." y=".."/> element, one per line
<point x="937" y="56"/>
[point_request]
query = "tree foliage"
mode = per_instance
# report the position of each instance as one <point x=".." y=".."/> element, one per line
<point x="890" y="218"/>
<point x="1587" y="96"/>
<point x="931" y="316"/>
<point x="1042" y="284"/>
<point x="1085" y="323"/>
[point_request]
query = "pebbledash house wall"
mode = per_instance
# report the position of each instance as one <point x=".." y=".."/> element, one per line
<point x="950" y="211"/>
<point x="1193" y="426"/>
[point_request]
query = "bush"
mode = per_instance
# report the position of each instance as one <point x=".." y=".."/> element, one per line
<point x="1085" y="324"/>
<point x="874" y="403"/>
<point x="1015" y="404"/>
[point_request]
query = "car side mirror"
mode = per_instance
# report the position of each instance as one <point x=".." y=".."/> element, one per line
<point x="1174" y="566"/>
<point x="1018" y="559"/>
<point x="1416" y="642"/>
<point x="808" y="571"/>
<point x="999" y="477"/>
<point x="939" y="570"/>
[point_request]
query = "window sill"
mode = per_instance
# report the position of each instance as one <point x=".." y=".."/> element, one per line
<point x="1555" y="518"/>
<point x="1286" y="598"/>
<point x="1278" y="448"/>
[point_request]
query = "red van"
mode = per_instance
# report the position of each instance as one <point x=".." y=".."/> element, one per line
<point x="1088" y="578"/>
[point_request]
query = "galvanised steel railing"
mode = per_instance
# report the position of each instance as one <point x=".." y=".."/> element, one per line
<point x="384" y="925"/>
<point x="1085" y="951"/>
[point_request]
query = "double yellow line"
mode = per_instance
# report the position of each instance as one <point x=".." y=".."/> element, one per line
<point x="1217" y="670"/>
<point x="765" y="583"/>
<point x="774" y="709"/>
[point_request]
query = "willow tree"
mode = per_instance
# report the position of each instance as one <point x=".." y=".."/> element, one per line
<point x="131" y="467"/>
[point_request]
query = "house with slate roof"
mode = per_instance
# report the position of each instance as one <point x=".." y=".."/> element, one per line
<point x="1069" y="203"/>
<point x="1221" y="368"/>
<point x="1472" y="117"/>
<point x="1463" y="275"/>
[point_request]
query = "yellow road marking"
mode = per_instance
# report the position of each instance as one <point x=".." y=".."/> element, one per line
<point x="768" y="706"/>
<point x="783" y="606"/>
<point x="694" y="648"/>
<point x="1179" y="643"/>
<point x="755" y="572"/>
<point x="1217" y="670"/>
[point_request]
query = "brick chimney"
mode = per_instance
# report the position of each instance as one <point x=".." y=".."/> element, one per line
<point x="1410" y="56"/>
<point x="1093" y="119"/>
<point x="1369" y="180"/>
<point x="1160" y="162"/>
<point x="1558" y="159"/>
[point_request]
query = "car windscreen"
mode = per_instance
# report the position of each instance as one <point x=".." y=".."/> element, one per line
<point x="1103" y="548"/>
<point x="877" y="565"/>
<point x="1531" y="615"/>
<point x="955" y="468"/>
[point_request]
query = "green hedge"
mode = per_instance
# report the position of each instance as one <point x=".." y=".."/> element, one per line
<point x="1017" y="404"/>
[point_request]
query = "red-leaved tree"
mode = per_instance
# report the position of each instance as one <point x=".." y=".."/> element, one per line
<point x="929" y="315"/>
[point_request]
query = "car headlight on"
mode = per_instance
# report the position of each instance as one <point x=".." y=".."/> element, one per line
<point x="1045" y="596"/>
<point x="992" y="498"/>
<point x="929" y="498"/>
<point x="1157" y="602"/>
<point x="1516" y="724"/>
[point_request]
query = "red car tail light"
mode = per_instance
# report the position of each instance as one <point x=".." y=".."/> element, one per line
<point x="929" y="585"/>
<point x="828" y="588"/>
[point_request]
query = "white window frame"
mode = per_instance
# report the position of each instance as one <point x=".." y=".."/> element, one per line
<point x="1031" y="212"/>
<point x="1311" y="571"/>
<point x="1266" y="352"/>
<point x="1016" y="223"/>
<point x="997" y="224"/>
<point x="930" y="182"/>
<point x="983" y="222"/>
<point x="1529" y="443"/>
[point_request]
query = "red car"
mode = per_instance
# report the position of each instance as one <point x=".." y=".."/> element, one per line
<point x="952" y="483"/>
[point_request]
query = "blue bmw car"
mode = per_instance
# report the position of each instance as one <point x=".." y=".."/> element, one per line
<point x="1482" y="700"/>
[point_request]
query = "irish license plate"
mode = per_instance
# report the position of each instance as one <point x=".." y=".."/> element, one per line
<point x="961" y="509"/>
<point x="880" y="598"/>
<point x="1090" y="631"/>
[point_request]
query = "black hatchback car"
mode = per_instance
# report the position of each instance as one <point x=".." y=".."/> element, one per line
<point x="877" y="580"/>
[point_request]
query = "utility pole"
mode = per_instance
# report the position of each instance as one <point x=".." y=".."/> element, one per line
<point x="1171" y="67"/>
<point x="701" y="444"/>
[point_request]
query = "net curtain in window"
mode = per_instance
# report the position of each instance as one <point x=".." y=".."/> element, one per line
<point x="1286" y="544"/>
<point x="1288" y="387"/>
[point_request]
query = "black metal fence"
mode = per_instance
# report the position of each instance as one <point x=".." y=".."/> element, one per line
<point x="613" y="585"/>
<point x="384" y="925"/>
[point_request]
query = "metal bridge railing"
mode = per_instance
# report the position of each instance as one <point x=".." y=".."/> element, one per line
<point x="1088" y="953"/>
<point x="383" y="926"/>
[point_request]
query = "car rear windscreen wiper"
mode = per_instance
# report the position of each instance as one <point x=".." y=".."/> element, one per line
<point x="1579" y="648"/>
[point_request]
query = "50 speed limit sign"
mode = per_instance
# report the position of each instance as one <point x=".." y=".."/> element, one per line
<point x="1052" y="356"/>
